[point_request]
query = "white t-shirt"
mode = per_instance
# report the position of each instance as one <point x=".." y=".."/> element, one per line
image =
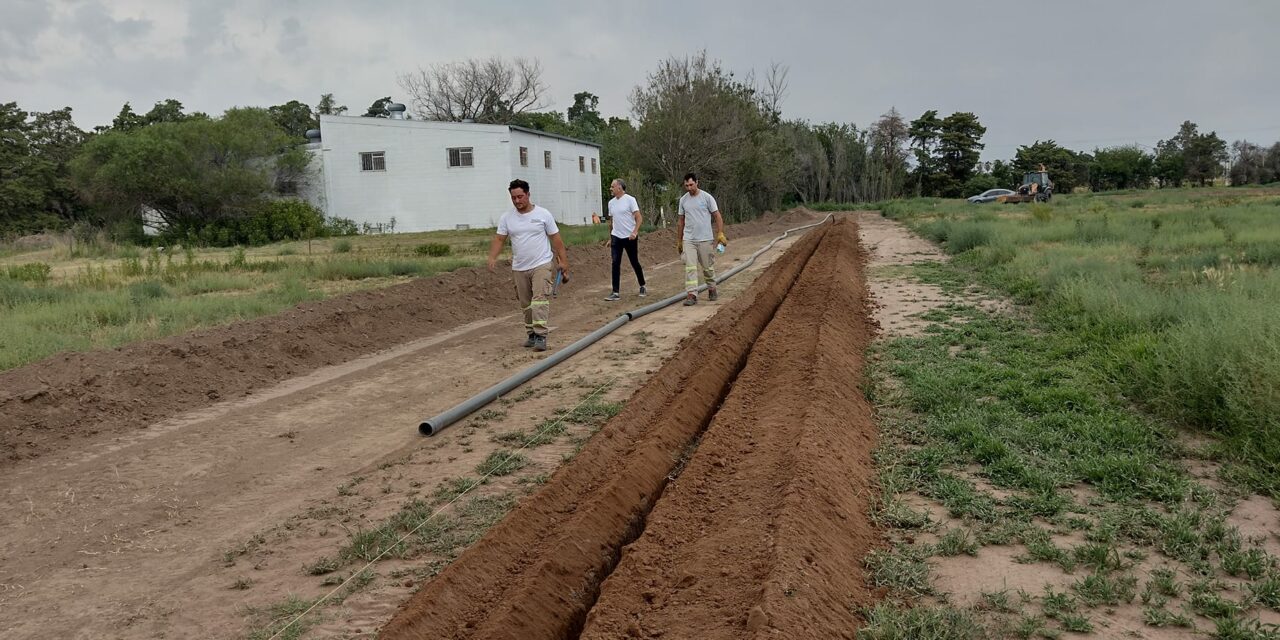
<point x="528" y="232"/>
<point x="623" y="213"/>
<point x="697" y="216"/>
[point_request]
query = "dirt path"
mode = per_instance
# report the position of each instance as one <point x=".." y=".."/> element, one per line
<point x="538" y="573"/>
<point x="154" y="528"/>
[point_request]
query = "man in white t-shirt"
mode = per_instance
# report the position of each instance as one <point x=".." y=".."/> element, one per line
<point x="695" y="240"/>
<point x="533" y="234"/>
<point x="624" y="227"/>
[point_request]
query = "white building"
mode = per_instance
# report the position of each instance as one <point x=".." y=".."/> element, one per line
<point x="445" y="175"/>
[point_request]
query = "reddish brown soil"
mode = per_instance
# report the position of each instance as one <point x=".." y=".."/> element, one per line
<point x="765" y="529"/>
<point x="536" y="574"/>
<point x="74" y="395"/>
<point x="764" y="532"/>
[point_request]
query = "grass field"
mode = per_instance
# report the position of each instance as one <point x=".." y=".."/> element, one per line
<point x="1055" y="435"/>
<point x="1173" y="295"/>
<point x="76" y="296"/>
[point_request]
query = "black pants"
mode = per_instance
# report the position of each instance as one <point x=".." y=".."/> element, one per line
<point x="633" y="254"/>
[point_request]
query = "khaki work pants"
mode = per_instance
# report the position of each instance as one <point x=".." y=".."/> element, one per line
<point x="533" y="289"/>
<point x="699" y="256"/>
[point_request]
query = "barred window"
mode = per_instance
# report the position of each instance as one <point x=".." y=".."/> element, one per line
<point x="546" y="159"/>
<point x="373" y="161"/>
<point x="460" y="157"/>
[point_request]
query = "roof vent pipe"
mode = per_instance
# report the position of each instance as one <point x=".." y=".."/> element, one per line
<point x="396" y="110"/>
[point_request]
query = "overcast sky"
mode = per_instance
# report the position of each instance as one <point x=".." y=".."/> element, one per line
<point x="1083" y="72"/>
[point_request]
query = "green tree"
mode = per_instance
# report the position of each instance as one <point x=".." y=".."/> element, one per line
<point x="1005" y="174"/>
<point x="584" y="115"/>
<point x="1190" y="156"/>
<point x="1126" y="167"/>
<point x="169" y="110"/>
<point x="692" y="115"/>
<point x="329" y="107"/>
<point x="127" y="120"/>
<point x="35" y="148"/>
<point x="549" y="121"/>
<point x="378" y="109"/>
<point x="193" y="174"/>
<point x="1204" y="156"/>
<point x="1170" y="165"/>
<point x="295" y="118"/>
<point x="959" y="148"/>
<point x="925" y="133"/>
<point x="1065" y="166"/>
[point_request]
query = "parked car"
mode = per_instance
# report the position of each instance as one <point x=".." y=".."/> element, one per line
<point x="989" y="195"/>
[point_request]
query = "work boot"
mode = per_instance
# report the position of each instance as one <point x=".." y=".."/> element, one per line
<point x="643" y="293"/>
<point x="690" y="300"/>
<point x="712" y="294"/>
<point x="539" y="343"/>
<point x="613" y="297"/>
<point x="531" y="340"/>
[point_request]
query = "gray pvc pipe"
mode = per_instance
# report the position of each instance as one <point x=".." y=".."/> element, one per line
<point x="433" y="425"/>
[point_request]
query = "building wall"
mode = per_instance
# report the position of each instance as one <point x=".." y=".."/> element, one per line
<point x="569" y="194"/>
<point x="423" y="193"/>
<point x="418" y="188"/>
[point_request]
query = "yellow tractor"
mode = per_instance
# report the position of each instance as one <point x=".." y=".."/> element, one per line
<point x="1036" y="187"/>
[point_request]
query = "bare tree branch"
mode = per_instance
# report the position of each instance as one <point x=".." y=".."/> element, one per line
<point x="490" y="90"/>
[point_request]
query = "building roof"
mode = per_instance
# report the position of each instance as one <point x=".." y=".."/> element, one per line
<point x="554" y="135"/>
<point x="450" y="125"/>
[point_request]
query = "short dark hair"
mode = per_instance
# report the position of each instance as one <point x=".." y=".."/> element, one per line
<point x="691" y="176"/>
<point x="519" y="184"/>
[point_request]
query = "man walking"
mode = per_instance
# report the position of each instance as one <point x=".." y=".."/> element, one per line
<point x="533" y="234"/>
<point x="624" y="227"/>
<point x="696" y="212"/>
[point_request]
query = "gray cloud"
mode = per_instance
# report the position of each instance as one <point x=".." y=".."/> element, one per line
<point x="206" y="29"/>
<point x="1088" y="73"/>
<point x="23" y="21"/>
<point x="101" y="33"/>
<point x="292" y="37"/>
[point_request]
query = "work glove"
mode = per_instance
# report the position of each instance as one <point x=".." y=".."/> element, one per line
<point x="721" y="239"/>
<point x="680" y="246"/>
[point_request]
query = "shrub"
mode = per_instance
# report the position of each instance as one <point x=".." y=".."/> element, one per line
<point x="340" y="227"/>
<point x="433" y="249"/>
<point x="964" y="237"/>
<point x="342" y="246"/>
<point x="30" y="272"/>
<point x="272" y="221"/>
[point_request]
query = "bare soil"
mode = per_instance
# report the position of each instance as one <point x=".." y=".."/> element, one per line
<point x="114" y="391"/>
<point x="156" y="510"/>
<point x="764" y="529"/>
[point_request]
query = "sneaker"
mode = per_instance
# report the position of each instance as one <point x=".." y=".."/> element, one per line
<point x="712" y="294"/>
<point x="690" y="300"/>
<point x="530" y="341"/>
<point x="643" y="293"/>
<point x="613" y="297"/>
<point x="539" y="343"/>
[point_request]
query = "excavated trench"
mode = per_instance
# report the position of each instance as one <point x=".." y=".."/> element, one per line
<point x="764" y="530"/>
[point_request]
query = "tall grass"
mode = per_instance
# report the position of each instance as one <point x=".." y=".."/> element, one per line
<point x="92" y="293"/>
<point x="1179" y="299"/>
